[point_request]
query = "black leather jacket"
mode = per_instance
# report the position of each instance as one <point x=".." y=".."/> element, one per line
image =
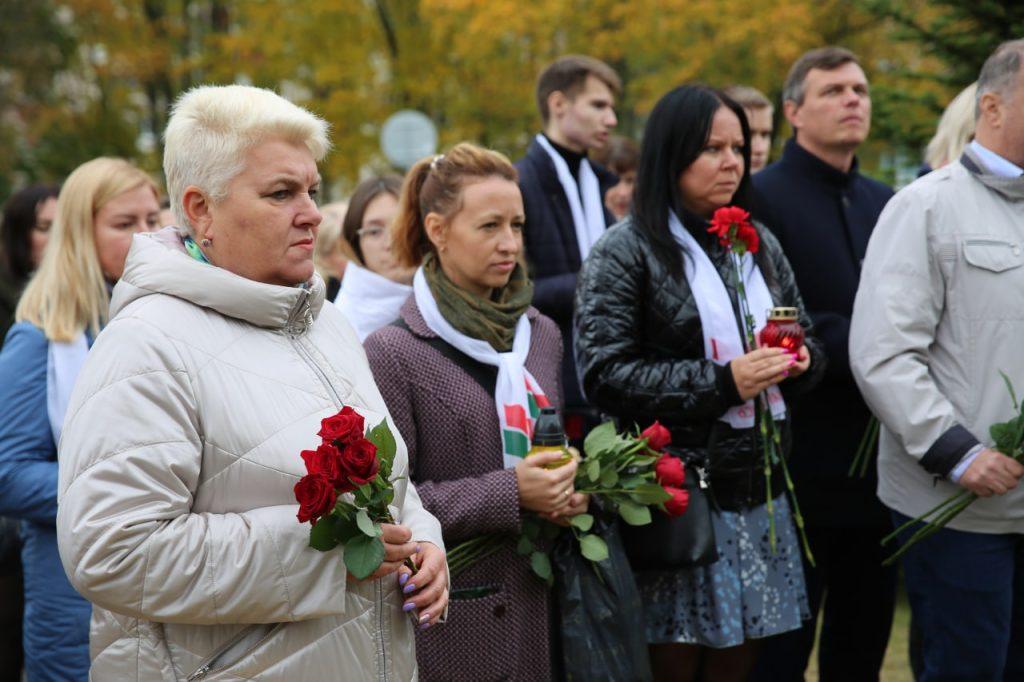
<point x="640" y="353"/>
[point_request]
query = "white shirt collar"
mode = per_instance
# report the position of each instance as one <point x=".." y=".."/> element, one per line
<point x="996" y="164"/>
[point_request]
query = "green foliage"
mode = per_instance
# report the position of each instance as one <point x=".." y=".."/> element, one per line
<point x="594" y="547"/>
<point x="363" y="556"/>
<point x="634" y="514"/>
<point x="321" y="535"/>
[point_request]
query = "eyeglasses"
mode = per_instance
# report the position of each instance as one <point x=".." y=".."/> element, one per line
<point x="373" y="232"/>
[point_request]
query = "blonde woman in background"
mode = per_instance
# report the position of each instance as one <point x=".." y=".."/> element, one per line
<point x="103" y="203"/>
<point x="331" y="253"/>
<point x="955" y="130"/>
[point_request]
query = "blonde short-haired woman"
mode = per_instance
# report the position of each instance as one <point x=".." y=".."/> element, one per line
<point x="178" y="520"/>
<point x="955" y="129"/>
<point x="103" y="203"/>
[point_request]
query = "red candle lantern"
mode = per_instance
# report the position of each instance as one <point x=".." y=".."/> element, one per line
<point x="783" y="330"/>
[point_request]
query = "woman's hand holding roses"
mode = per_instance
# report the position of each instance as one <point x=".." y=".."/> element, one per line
<point x="428" y="586"/>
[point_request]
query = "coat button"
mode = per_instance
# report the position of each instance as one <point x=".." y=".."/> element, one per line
<point x="499" y="610"/>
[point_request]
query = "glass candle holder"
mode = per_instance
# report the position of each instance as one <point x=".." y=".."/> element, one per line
<point x="782" y="330"/>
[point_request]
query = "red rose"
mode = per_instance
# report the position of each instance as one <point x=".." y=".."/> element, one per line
<point x="669" y="471"/>
<point x="359" y="462"/>
<point x="346" y="426"/>
<point x="748" y="235"/>
<point x="679" y="502"/>
<point x="316" y="497"/>
<point x="658" y="437"/>
<point x="326" y="460"/>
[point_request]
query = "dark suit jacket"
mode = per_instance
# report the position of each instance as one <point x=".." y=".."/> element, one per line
<point x="823" y="218"/>
<point x="552" y="250"/>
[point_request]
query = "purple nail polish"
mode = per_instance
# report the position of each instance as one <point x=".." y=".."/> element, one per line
<point x="419" y="549"/>
<point x="424" y="627"/>
<point x="408" y="606"/>
<point x="403" y="578"/>
<point x="408" y="589"/>
<point x="424" y="617"/>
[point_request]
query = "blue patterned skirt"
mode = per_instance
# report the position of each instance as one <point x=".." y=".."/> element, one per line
<point x="748" y="593"/>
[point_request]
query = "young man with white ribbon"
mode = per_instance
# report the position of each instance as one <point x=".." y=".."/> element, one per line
<point x="563" y="195"/>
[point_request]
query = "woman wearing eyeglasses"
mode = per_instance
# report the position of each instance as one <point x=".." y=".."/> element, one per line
<point x="374" y="286"/>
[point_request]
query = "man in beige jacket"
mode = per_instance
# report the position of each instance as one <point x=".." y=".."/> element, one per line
<point x="939" y="314"/>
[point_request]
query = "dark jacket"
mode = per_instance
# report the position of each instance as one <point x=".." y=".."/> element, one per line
<point x="552" y="250"/>
<point x="640" y="350"/>
<point x="450" y="425"/>
<point x="823" y="219"/>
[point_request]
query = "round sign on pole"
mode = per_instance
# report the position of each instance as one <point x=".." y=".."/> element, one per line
<point x="408" y="136"/>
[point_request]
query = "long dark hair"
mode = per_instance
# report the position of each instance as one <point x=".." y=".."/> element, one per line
<point x="16" y="230"/>
<point x="675" y="135"/>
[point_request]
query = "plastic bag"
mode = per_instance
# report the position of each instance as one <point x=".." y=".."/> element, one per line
<point x="602" y="626"/>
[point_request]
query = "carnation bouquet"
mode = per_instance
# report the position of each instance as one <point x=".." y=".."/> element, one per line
<point x="347" y="489"/>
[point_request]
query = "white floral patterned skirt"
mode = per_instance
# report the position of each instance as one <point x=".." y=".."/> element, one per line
<point x="749" y="593"/>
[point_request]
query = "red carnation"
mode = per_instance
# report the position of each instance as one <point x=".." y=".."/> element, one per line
<point x="658" y="437"/>
<point x="679" y="502"/>
<point x="731" y="224"/>
<point x="359" y="463"/>
<point x="669" y="471"/>
<point x="326" y="460"/>
<point x="316" y="497"/>
<point x="344" y="427"/>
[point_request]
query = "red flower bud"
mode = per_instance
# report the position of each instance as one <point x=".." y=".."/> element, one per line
<point x="344" y="427"/>
<point x="669" y="471"/>
<point x="359" y="463"/>
<point x="658" y="437"/>
<point x="316" y="497"/>
<point x="679" y="502"/>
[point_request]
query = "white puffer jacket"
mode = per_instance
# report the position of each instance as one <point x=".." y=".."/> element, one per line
<point x="177" y="462"/>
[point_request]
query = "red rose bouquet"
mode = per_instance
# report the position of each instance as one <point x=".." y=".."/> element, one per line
<point x="737" y="234"/>
<point x="349" y="462"/>
<point x="625" y="474"/>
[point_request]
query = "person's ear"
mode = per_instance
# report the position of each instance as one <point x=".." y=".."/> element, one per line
<point x="198" y="211"/>
<point x="557" y="104"/>
<point x="792" y="111"/>
<point x="990" y="109"/>
<point x="436" y="229"/>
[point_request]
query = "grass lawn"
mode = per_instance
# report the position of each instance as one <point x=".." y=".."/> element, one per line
<point x="896" y="667"/>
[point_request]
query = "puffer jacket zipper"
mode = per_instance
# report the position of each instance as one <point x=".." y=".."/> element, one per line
<point x="298" y="324"/>
<point x="210" y="663"/>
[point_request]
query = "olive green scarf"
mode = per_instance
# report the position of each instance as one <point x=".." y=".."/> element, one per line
<point x="490" y="319"/>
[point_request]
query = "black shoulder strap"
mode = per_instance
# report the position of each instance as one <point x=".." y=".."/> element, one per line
<point x="483" y="374"/>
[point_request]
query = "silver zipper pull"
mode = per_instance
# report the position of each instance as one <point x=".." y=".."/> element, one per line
<point x="199" y="674"/>
<point x="702" y="478"/>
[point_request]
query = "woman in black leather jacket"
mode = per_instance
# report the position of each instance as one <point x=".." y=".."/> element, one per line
<point x="640" y="350"/>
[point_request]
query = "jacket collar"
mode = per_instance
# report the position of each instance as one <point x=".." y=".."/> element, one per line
<point x="410" y="312"/>
<point x="1009" y="188"/>
<point x="158" y="264"/>
<point x="536" y="154"/>
<point x="806" y="163"/>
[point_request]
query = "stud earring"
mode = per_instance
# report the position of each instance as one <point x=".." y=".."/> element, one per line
<point x="206" y="242"/>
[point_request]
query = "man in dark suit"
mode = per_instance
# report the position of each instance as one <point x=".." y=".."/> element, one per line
<point x="563" y="194"/>
<point x="823" y="211"/>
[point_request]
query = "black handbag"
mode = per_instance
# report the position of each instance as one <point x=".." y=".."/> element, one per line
<point x="676" y="542"/>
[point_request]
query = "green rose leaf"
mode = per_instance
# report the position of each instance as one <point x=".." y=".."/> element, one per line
<point x="363" y="556"/>
<point x="609" y="477"/>
<point x="634" y="514"/>
<point x="367" y="526"/>
<point x="593" y="547"/>
<point x="321" y="535"/>
<point x="346" y="528"/>
<point x="524" y="547"/>
<point x="381" y="436"/>
<point x="593" y="467"/>
<point x="601" y="439"/>
<point x="541" y="565"/>
<point x="582" y="521"/>
<point x="649" y="493"/>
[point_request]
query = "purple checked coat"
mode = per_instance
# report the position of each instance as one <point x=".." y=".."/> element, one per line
<point x="498" y="618"/>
